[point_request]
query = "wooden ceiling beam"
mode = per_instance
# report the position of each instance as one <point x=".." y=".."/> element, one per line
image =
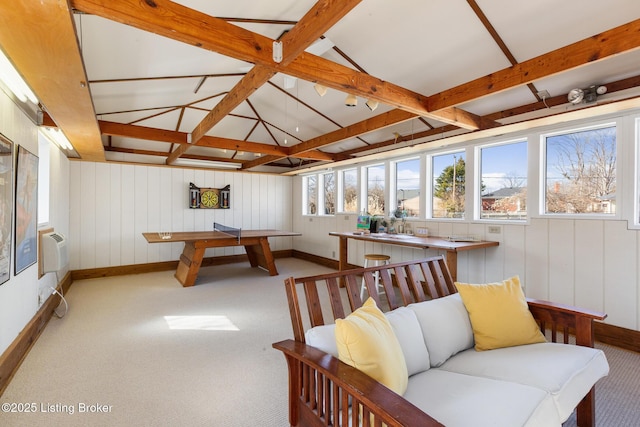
<point x="53" y="68"/>
<point x="598" y="47"/>
<point x="322" y="16"/>
<point x="612" y="87"/>
<point x="198" y="29"/>
<point x="181" y="23"/>
<point x="255" y="78"/>
<point x="318" y="20"/>
<point x="142" y="132"/>
<point x="260" y="161"/>
<point x="345" y="79"/>
<point x="378" y="122"/>
<point x="164" y="154"/>
<point x="176" y="137"/>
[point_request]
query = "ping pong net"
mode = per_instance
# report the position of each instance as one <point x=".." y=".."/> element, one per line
<point x="231" y="231"/>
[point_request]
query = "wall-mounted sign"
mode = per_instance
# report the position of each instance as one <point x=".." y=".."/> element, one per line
<point x="209" y="198"/>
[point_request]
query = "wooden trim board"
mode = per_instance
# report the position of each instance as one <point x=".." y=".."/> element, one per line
<point x="13" y="356"/>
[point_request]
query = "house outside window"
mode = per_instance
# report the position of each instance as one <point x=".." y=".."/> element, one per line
<point x="408" y="187"/>
<point x="580" y="172"/>
<point x="503" y="181"/>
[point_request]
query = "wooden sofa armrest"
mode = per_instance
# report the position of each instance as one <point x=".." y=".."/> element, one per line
<point x="568" y="319"/>
<point x="322" y="388"/>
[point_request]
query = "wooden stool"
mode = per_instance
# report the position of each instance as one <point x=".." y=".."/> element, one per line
<point x="378" y="259"/>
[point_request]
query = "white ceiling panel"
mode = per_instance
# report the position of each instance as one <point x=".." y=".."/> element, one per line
<point x="409" y="54"/>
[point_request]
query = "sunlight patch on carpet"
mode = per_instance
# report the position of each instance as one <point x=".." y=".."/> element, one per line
<point x="201" y="323"/>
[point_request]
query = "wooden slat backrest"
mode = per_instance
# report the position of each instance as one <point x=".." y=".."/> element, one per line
<point x="294" y="309"/>
<point x="313" y="303"/>
<point x="410" y="278"/>
<point x="335" y="298"/>
<point x="401" y="282"/>
<point x="414" y="280"/>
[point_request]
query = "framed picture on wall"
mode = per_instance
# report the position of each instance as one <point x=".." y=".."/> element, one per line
<point x="6" y="206"/>
<point x="26" y="209"/>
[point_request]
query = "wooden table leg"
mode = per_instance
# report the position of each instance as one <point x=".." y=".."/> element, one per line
<point x="268" y="257"/>
<point x="252" y="254"/>
<point x="189" y="264"/>
<point x="344" y="254"/>
<point x="451" y="258"/>
<point x="260" y="255"/>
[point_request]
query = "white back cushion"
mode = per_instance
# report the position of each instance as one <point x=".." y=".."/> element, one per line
<point x="407" y="329"/>
<point x="405" y="326"/>
<point x="445" y="326"/>
<point x="323" y="338"/>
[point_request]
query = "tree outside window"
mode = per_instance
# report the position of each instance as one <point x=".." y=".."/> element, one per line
<point x="312" y="194"/>
<point x="581" y="172"/>
<point x="350" y="190"/>
<point x="448" y="185"/>
<point x="329" y="182"/>
<point x="375" y="190"/>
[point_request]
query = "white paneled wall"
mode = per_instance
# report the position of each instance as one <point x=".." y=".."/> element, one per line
<point x="113" y="204"/>
<point x="584" y="262"/>
<point x="21" y="294"/>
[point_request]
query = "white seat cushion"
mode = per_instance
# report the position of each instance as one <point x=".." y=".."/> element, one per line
<point x="458" y="400"/>
<point x="566" y="372"/>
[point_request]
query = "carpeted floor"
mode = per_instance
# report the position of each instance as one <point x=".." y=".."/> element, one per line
<point x="141" y="350"/>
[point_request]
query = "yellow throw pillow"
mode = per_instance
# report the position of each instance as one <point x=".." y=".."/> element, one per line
<point x="499" y="314"/>
<point x="366" y="341"/>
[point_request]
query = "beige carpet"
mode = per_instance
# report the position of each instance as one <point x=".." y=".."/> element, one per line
<point x="115" y="348"/>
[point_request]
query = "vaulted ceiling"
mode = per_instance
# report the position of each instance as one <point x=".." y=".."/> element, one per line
<point x="158" y="82"/>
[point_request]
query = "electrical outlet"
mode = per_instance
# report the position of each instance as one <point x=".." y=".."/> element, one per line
<point x="333" y="254"/>
<point x="494" y="229"/>
<point x="310" y="219"/>
<point x="346" y="217"/>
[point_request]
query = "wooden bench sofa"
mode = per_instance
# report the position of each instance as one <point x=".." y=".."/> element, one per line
<point x="323" y="390"/>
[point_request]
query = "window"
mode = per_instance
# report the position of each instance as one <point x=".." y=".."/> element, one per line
<point x="408" y="187"/>
<point x="503" y="172"/>
<point x="350" y="190"/>
<point x="580" y="172"/>
<point x="375" y="190"/>
<point x="329" y="191"/>
<point x="311" y="195"/>
<point x="448" y="185"/>
<point x="43" y="179"/>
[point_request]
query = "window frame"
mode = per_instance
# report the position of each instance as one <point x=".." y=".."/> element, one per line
<point x="44" y="180"/>
<point x="321" y="200"/>
<point x="431" y="183"/>
<point x="341" y="191"/>
<point x="364" y="205"/>
<point x="305" y="194"/>
<point x="615" y="122"/>
<point x="393" y="186"/>
<point x="477" y="180"/>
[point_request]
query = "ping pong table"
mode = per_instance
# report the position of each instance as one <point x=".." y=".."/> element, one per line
<point x="255" y="242"/>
